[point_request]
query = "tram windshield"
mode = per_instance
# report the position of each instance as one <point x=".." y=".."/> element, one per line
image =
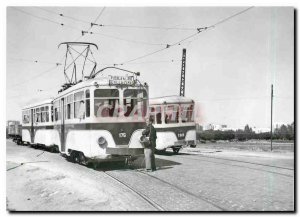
<point x="26" y="117"/>
<point x="106" y="102"/>
<point x="135" y="102"/>
<point x="187" y="113"/>
<point x="172" y="114"/>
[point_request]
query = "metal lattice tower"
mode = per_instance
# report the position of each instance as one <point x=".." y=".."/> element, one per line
<point x="182" y="79"/>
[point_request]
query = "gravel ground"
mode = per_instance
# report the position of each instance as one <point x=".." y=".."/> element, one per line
<point x="53" y="184"/>
<point x="196" y="179"/>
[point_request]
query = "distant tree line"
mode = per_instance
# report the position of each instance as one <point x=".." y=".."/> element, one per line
<point x="284" y="132"/>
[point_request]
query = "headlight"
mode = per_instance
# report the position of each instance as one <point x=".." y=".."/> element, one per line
<point x="101" y="141"/>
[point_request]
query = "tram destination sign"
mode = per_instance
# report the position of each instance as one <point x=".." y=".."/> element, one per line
<point x="121" y="80"/>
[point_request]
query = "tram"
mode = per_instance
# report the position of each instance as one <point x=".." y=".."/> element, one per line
<point x="38" y="127"/>
<point x="14" y="130"/>
<point x="174" y="122"/>
<point x="95" y="120"/>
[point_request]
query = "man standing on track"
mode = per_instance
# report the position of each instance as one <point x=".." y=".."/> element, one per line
<point x="149" y="151"/>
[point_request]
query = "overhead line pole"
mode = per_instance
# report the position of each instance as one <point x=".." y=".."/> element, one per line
<point x="182" y="77"/>
<point x="271" y="116"/>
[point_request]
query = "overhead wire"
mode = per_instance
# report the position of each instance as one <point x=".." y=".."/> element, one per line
<point x="65" y="16"/>
<point x="230" y="17"/>
<point x="199" y="30"/>
<point x="128" y="40"/>
<point x="88" y="31"/>
<point x="161" y="61"/>
<point x="143" y="27"/>
<point x="34" y="77"/>
<point x="82" y="32"/>
<point x="116" y="25"/>
<point x="34" y="61"/>
<point x="46" y="19"/>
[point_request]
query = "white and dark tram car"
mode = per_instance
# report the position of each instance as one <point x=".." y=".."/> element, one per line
<point x="98" y="119"/>
<point x="13" y="130"/>
<point x="174" y="122"/>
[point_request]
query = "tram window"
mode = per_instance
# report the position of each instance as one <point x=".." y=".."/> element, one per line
<point x="87" y="107"/>
<point x="56" y="107"/>
<point x="52" y="113"/>
<point x="25" y="115"/>
<point x="152" y="116"/>
<point x="43" y="119"/>
<point x="171" y="114"/>
<point x="29" y="116"/>
<point x="34" y="118"/>
<point x="158" y="115"/>
<point x="187" y="113"/>
<point x="56" y="114"/>
<point x="135" y="102"/>
<point x="69" y="107"/>
<point x="87" y="103"/>
<point x="106" y="93"/>
<point x="68" y="110"/>
<point x="38" y="115"/>
<point x="47" y="113"/>
<point x="152" y="113"/>
<point x="87" y="94"/>
<point x="106" y="103"/>
<point x="79" y="107"/>
<point x="106" y="107"/>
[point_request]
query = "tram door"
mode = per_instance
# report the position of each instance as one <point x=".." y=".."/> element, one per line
<point x="31" y="126"/>
<point x="62" y="133"/>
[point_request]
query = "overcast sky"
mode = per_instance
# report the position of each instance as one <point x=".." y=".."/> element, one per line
<point x="229" y="68"/>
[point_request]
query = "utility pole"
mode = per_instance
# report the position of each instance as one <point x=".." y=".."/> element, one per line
<point x="271" y="116"/>
<point x="182" y="78"/>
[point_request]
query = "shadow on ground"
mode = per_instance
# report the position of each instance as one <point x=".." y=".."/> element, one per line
<point x="137" y="164"/>
<point x="169" y="153"/>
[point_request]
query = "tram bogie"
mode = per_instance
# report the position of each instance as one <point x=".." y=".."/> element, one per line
<point x="174" y="122"/>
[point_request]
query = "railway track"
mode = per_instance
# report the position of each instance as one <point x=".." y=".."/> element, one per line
<point x="170" y="185"/>
<point x="239" y="161"/>
<point x="183" y="190"/>
<point x="147" y="199"/>
<point x="247" y="162"/>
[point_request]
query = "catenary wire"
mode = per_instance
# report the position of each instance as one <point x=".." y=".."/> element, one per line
<point x="34" y="61"/>
<point x="128" y="40"/>
<point x="199" y="30"/>
<point x="65" y="16"/>
<point x="46" y="19"/>
<point x="36" y="76"/>
<point x="99" y="15"/>
<point x="115" y="25"/>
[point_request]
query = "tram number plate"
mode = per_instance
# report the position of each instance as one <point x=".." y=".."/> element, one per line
<point x="180" y="135"/>
<point x="122" y="135"/>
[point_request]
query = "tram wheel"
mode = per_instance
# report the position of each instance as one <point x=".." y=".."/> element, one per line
<point x="176" y="150"/>
<point x="81" y="158"/>
<point x="72" y="157"/>
<point x="76" y="157"/>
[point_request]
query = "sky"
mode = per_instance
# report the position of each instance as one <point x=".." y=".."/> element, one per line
<point x="229" y="68"/>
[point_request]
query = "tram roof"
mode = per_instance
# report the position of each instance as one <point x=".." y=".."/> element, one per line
<point x="102" y="81"/>
<point x="170" y="100"/>
<point x="44" y="102"/>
